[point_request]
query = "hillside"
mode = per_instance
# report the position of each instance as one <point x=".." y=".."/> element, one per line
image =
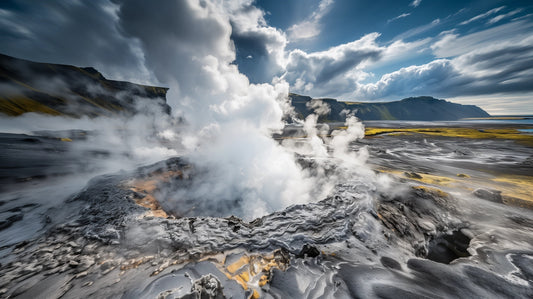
<point x="415" y="108"/>
<point x="57" y="89"/>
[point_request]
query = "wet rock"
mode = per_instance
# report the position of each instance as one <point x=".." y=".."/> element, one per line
<point x="390" y="263"/>
<point x="462" y="151"/>
<point x="32" y="268"/>
<point x="51" y="264"/>
<point x="107" y="267"/>
<point x="496" y="284"/>
<point x="449" y="247"/>
<point x="409" y="221"/>
<point x="490" y="195"/>
<point x="105" y="272"/>
<point x="524" y="262"/>
<point x="10" y="220"/>
<point x="90" y="249"/>
<point x="234" y="223"/>
<point x="308" y="251"/>
<point x="81" y="274"/>
<point x="85" y="262"/>
<point x="427" y="226"/>
<point x="207" y="286"/>
<point x="73" y="244"/>
<point x="527" y="162"/>
<point x="412" y="175"/>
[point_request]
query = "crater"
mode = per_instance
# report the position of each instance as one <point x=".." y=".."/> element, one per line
<point x="165" y="190"/>
<point x="448" y="247"/>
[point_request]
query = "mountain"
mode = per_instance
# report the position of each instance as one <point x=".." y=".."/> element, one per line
<point x="57" y="89"/>
<point x="414" y="108"/>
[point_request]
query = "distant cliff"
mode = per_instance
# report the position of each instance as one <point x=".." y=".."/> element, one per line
<point x="418" y="108"/>
<point x="57" y="89"/>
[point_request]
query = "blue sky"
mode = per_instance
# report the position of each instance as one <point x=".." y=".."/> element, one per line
<point x="430" y="31"/>
<point x="471" y="52"/>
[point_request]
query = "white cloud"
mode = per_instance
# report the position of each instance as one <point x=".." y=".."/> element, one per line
<point x="483" y="15"/>
<point x="310" y="27"/>
<point x="263" y="46"/>
<point x="503" y="68"/>
<point x="418" y="30"/>
<point x="326" y="72"/>
<point x="399" y="51"/>
<point x="451" y="44"/>
<point x="415" y="3"/>
<point x="408" y="81"/>
<point x="336" y="71"/>
<point x="501" y="17"/>
<point x="399" y="17"/>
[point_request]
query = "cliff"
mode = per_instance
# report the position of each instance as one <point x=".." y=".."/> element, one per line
<point x="57" y="89"/>
<point x="414" y="108"/>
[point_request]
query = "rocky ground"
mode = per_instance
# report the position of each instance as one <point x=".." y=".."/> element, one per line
<point x="443" y="236"/>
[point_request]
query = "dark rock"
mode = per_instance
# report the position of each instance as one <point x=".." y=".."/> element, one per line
<point x="524" y="262"/>
<point x="490" y="195"/>
<point x="462" y="152"/>
<point x="414" y="108"/>
<point x="496" y="284"/>
<point x="412" y="175"/>
<point x="10" y="220"/>
<point x="308" y="251"/>
<point x="207" y="286"/>
<point x="449" y="247"/>
<point x="390" y="263"/>
<point x="78" y="95"/>
<point x="527" y="162"/>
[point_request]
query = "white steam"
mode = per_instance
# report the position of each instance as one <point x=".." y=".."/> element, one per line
<point x="227" y="126"/>
<point x="229" y="122"/>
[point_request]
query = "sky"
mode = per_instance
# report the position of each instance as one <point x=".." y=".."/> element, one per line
<point x="470" y="52"/>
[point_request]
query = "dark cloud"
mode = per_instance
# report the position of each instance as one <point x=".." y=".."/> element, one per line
<point x="260" y="48"/>
<point x="184" y="44"/>
<point x="509" y="59"/>
<point x="253" y="58"/>
<point x="351" y="59"/>
<point x="82" y="33"/>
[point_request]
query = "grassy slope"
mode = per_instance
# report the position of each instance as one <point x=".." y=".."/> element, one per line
<point x="20" y="80"/>
<point x="473" y="133"/>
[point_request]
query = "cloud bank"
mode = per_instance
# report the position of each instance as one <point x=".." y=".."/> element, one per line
<point x="83" y="33"/>
<point x="238" y="40"/>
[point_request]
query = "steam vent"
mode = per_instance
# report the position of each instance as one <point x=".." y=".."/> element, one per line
<point x="266" y="149"/>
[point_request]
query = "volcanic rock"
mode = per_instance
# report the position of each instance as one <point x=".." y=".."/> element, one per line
<point x="490" y="195"/>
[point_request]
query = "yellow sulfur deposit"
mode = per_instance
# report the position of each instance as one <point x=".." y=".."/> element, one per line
<point x="253" y="271"/>
<point x="473" y="133"/>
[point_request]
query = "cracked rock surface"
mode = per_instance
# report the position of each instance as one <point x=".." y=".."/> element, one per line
<point x="354" y="243"/>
